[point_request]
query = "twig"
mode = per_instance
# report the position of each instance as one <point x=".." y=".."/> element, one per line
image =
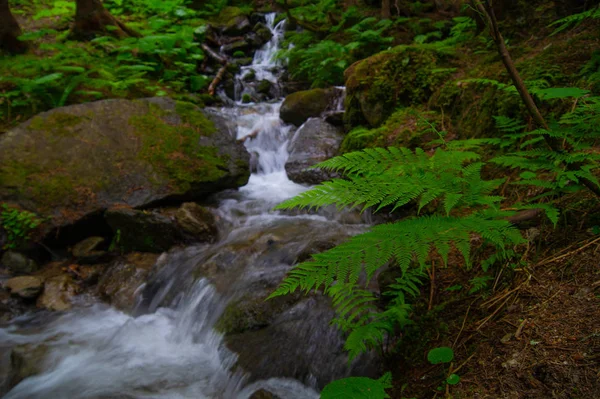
<point x="462" y="327"/>
<point x="431" y="286"/>
<point x="463" y="363"/>
<point x="545" y="262"/>
<point x="482" y="323"/>
<point x="213" y="55"/>
<point x="520" y="329"/>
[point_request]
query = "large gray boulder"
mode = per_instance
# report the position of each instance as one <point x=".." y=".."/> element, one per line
<point x="315" y="141"/>
<point x="82" y="159"/>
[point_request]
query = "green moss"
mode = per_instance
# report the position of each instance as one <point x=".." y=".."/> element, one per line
<point x="190" y="114"/>
<point x="407" y="127"/>
<point x="176" y="151"/>
<point x="57" y="123"/>
<point x="402" y="76"/>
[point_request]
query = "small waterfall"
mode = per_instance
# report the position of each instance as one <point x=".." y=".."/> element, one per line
<point x="173" y="351"/>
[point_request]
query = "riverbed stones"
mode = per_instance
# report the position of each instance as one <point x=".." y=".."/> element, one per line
<point x="301" y="105"/>
<point x="314" y="142"/>
<point x="197" y="221"/>
<point x="58" y="292"/>
<point x="79" y="160"/>
<point x="18" y="263"/>
<point x="263" y="394"/>
<point x="26" y="287"/>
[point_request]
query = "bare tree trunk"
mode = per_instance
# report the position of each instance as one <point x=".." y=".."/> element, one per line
<point x="386" y="12"/>
<point x="92" y="19"/>
<point x="487" y="12"/>
<point x="10" y="31"/>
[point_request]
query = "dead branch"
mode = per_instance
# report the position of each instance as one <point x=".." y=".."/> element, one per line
<point x="217" y="80"/>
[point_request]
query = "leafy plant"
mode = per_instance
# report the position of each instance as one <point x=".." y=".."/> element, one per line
<point x="575" y="19"/>
<point x="358" y="387"/>
<point x="18" y="225"/>
<point x="444" y="355"/>
<point x="389" y="178"/>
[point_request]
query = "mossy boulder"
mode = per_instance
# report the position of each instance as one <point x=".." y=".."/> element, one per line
<point x="301" y="105"/>
<point x="407" y="127"/>
<point x="378" y="85"/>
<point x="82" y="159"/>
<point x="232" y="21"/>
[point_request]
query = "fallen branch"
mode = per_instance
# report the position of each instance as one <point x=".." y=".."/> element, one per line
<point x="217" y="80"/>
<point x="213" y="55"/>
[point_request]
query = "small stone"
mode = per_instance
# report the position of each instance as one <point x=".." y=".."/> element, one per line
<point x="26" y="287"/>
<point x="18" y="263"/>
<point x="506" y="338"/>
<point x="86" y="250"/>
<point x="263" y="394"/>
<point x="57" y="294"/>
<point x="197" y="221"/>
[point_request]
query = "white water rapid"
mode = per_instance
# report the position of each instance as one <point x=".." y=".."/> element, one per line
<point x="169" y="348"/>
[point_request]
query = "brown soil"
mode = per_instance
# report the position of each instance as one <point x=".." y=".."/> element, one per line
<point x="537" y="335"/>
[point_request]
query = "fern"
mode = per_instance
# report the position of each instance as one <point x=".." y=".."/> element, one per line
<point x="575" y="19"/>
<point x="394" y="177"/>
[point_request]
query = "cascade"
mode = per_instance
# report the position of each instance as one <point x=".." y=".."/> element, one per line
<point x="169" y="348"/>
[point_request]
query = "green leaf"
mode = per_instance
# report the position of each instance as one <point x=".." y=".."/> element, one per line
<point x="439" y="355"/>
<point x="561" y="92"/>
<point x="356" y="388"/>
<point x="48" y="78"/>
<point x="453" y="379"/>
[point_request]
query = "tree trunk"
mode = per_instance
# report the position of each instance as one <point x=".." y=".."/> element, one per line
<point x="10" y="31"/>
<point x="487" y="13"/>
<point x="386" y="12"/>
<point x="92" y="19"/>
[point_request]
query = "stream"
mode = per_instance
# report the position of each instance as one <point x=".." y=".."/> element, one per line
<point x="168" y="347"/>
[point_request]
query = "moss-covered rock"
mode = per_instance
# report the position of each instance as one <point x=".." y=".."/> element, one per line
<point x="301" y="105"/>
<point x="232" y="21"/>
<point x="74" y="161"/>
<point x="376" y="86"/>
<point x="407" y="127"/>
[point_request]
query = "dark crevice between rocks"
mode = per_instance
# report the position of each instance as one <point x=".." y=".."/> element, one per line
<point x="60" y="239"/>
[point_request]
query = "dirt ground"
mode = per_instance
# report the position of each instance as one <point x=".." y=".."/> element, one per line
<point x="535" y="335"/>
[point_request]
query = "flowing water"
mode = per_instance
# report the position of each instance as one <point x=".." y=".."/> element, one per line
<point x="169" y="347"/>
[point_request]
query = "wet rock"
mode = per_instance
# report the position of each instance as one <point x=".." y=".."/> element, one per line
<point x="252" y="312"/>
<point x="58" y="292"/>
<point x="93" y="156"/>
<point x="243" y="62"/>
<point x="26" y="361"/>
<point x="335" y="118"/>
<point x="263" y="394"/>
<point x="303" y="334"/>
<point x="18" y="263"/>
<point x="120" y="283"/>
<point x="143" y="231"/>
<point x="197" y="221"/>
<point x="86" y="251"/>
<point x="27" y="287"/>
<point x="264" y="87"/>
<point x="240" y="45"/>
<point x="262" y="32"/>
<point x="301" y="105"/>
<point x="314" y="142"/>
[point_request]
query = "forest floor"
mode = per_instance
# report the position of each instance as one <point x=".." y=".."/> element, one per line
<point x="536" y="337"/>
